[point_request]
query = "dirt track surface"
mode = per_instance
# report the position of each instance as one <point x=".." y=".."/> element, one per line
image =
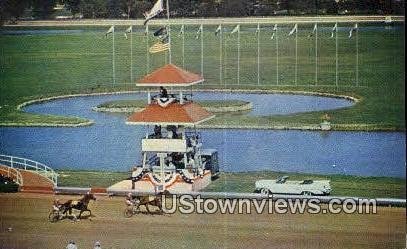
<point x="27" y="215"/>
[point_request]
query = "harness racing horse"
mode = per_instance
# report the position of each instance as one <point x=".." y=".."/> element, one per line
<point x="81" y="205"/>
<point x="153" y="200"/>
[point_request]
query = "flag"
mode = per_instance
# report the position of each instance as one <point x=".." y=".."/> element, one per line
<point x="159" y="47"/>
<point x="274" y="31"/>
<point x="218" y="30"/>
<point x="161" y="32"/>
<point x="236" y="29"/>
<point x="314" y="30"/>
<point x="111" y="30"/>
<point x="181" y="31"/>
<point x="199" y="32"/>
<point x="354" y="28"/>
<point x="334" y="29"/>
<point x="129" y="30"/>
<point x="295" y="29"/>
<point x="157" y="9"/>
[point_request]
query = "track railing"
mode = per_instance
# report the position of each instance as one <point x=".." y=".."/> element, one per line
<point x="13" y="174"/>
<point x="23" y="163"/>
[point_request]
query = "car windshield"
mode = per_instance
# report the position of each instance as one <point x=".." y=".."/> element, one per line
<point x="307" y="182"/>
<point x="281" y="179"/>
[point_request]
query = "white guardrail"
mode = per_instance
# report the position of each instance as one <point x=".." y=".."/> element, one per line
<point x="27" y="164"/>
<point x="13" y="174"/>
<point x="231" y="195"/>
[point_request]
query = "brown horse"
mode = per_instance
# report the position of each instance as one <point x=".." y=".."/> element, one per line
<point x="81" y="205"/>
<point x="153" y="200"/>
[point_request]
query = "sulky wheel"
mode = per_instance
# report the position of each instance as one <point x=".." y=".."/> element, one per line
<point x="53" y="216"/>
<point x="128" y="212"/>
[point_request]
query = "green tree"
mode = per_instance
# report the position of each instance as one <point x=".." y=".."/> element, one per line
<point x="73" y="6"/>
<point x="94" y="8"/>
<point x="12" y="9"/>
<point x="43" y="9"/>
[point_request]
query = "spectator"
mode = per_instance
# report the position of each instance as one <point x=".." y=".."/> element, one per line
<point x="97" y="245"/>
<point x="71" y="245"/>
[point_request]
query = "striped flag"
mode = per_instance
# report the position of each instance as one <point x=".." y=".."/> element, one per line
<point x="128" y="31"/>
<point x="159" y="47"/>
<point x="295" y="29"/>
<point x="236" y="29"/>
<point x="334" y="29"/>
<point x="218" y="30"/>
<point x="111" y="30"/>
<point x="199" y="32"/>
<point x="354" y="28"/>
<point x="161" y="32"/>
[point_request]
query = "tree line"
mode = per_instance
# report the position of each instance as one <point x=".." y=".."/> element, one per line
<point x="45" y="9"/>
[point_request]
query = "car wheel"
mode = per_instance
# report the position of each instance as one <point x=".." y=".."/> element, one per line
<point x="265" y="191"/>
<point x="307" y="193"/>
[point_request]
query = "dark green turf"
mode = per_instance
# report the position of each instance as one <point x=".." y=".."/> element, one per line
<point x="46" y="65"/>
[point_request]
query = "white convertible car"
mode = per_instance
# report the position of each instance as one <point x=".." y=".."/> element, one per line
<point x="282" y="186"/>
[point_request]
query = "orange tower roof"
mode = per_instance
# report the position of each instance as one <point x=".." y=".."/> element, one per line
<point x="187" y="114"/>
<point x="170" y="75"/>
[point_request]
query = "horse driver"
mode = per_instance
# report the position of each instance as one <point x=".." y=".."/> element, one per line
<point x="56" y="205"/>
<point x="129" y="199"/>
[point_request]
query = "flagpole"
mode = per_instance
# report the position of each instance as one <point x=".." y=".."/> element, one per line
<point x="238" y="55"/>
<point x="357" y="55"/>
<point x="183" y="45"/>
<point x="258" y="54"/>
<point x="131" y="55"/>
<point x="225" y="59"/>
<point x="113" y="58"/>
<point x="202" y="66"/>
<point x="296" y="53"/>
<point x="169" y="31"/>
<point x="277" y="52"/>
<point x="316" y="54"/>
<point x="220" y="55"/>
<point x="148" y="53"/>
<point x="336" y="55"/>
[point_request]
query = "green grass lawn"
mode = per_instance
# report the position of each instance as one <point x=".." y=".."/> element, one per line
<point x="342" y="185"/>
<point x="34" y="66"/>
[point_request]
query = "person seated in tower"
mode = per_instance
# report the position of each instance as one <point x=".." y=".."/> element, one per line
<point x="157" y="131"/>
<point x="164" y="99"/>
<point x="172" y="132"/>
<point x="163" y="92"/>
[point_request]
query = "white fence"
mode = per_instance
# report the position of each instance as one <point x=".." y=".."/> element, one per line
<point x="22" y="163"/>
<point x="13" y="174"/>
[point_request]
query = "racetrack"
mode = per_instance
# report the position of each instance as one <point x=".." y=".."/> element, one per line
<point x="27" y="215"/>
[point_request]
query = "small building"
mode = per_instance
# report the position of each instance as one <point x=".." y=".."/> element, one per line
<point x="173" y="157"/>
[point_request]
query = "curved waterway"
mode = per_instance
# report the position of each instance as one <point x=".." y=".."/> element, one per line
<point x="110" y="144"/>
